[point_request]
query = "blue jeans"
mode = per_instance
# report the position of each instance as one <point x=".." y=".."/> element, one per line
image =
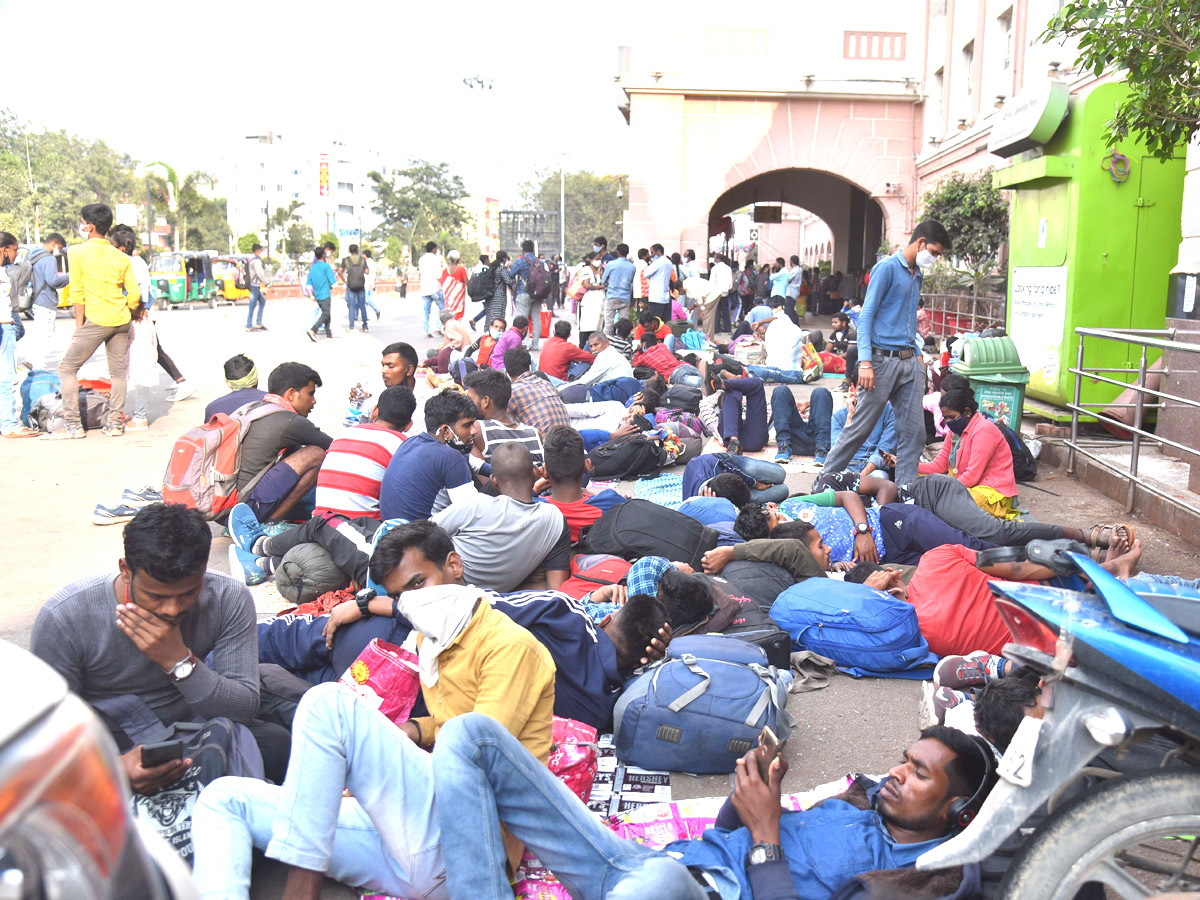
<point x="1193" y="583"/>
<point x="766" y="472"/>
<point x="370" y="301"/>
<point x="808" y="438"/>
<point x="256" y="299"/>
<point x="356" y="302"/>
<point x="750" y="429"/>
<point x="576" y="367"/>
<point x="428" y="299"/>
<point x="619" y="389"/>
<point x="686" y="374"/>
<point x="483" y="775"/>
<point x="10" y="397"/>
<point x="387" y="838"/>
<point x="593" y="438"/>
<point x="777" y="376"/>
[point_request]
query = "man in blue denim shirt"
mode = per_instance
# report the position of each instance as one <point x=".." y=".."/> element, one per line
<point x="889" y="353"/>
<point x="755" y="850"/>
<point x="524" y="304"/>
<point x="618" y="283"/>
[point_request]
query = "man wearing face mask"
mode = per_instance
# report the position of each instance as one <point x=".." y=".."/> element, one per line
<point x="889" y="353"/>
<point x="46" y="283"/>
<point x="430" y="470"/>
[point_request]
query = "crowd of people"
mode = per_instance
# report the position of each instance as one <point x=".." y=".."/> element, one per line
<point x="455" y="508"/>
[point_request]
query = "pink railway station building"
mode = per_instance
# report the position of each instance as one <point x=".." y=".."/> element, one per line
<point x="844" y="116"/>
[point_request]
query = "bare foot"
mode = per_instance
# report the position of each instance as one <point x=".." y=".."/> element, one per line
<point x="1125" y="565"/>
<point x="1118" y="546"/>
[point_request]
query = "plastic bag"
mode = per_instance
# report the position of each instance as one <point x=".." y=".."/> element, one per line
<point x="573" y="755"/>
<point x="386" y="677"/>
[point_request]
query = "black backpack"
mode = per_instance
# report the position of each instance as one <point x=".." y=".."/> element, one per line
<point x="482" y="285"/>
<point x="762" y="582"/>
<point x="537" y="282"/>
<point x="751" y="624"/>
<point x="681" y="396"/>
<point x="1024" y="465"/>
<point x="633" y="456"/>
<point x="356" y="273"/>
<point x="638" y="528"/>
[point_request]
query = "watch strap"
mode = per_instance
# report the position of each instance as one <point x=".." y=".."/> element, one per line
<point x="765" y="853"/>
<point x="190" y="658"/>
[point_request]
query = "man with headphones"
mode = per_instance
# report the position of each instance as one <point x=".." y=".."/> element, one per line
<point x="756" y="849"/>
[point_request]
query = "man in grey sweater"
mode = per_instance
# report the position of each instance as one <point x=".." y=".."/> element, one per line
<point x="163" y="629"/>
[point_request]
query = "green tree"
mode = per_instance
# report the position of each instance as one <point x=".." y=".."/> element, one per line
<point x="330" y="238"/>
<point x="1157" y="45"/>
<point x="592" y="207"/>
<point x="976" y="216"/>
<point x="246" y="242"/>
<point x="279" y="222"/>
<point x="420" y="204"/>
<point x="208" y="227"/>
<point x="300" y="240"/>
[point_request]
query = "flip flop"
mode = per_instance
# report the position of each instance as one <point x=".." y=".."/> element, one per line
<point x="1102" y="535"/>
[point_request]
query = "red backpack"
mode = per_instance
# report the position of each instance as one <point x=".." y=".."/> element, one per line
<point x="591" y="572"/>
<point x="203" y="470"/>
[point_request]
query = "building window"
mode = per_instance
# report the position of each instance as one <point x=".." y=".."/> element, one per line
<point x="1005" y="23"/>
<point x="279" y="188"/>
<point x="873" y="45"/>
<point x="262" y="187"/>
<point x="344" y="210"/>
<point x="968" y="60"/>
<point x="346" y="186"/>
<point x="933" y="106"/>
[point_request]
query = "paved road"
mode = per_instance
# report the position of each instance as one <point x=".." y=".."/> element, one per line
<point x="50" y="490"/>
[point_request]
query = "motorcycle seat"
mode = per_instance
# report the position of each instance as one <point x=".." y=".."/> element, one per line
<point x="1179" y="603"/>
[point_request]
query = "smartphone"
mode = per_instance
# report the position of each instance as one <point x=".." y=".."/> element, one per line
<point x="157" y="754"/>
<point x="768" y="749"/>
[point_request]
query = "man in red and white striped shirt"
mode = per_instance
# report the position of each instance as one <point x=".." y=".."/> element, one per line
<point x="352" y="471"/>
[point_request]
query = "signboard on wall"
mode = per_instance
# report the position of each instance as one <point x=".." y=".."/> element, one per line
<point x="1037" y="314"/>
<point x="323" y="175"/>
<point x="1029" y="119"/>
<point x="768" y="215"/>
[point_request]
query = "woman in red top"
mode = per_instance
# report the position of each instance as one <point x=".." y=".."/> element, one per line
<point x="982" y="460"/>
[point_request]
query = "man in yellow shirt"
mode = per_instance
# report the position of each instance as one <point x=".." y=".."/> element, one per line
<point x="473" y="658"/>
<point x="105" y="291"/>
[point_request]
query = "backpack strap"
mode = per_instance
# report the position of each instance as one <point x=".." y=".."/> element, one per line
<point x="133" y="716"/>
<point x="696" y="691"/>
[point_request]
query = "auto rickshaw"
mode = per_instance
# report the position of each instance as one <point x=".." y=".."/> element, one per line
<point x="64" y="292"/>
<point x="231" y="273"/>
<point x="184" y="276"/>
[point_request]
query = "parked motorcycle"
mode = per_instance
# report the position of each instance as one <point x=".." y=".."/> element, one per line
<point x="1120" y="664"/>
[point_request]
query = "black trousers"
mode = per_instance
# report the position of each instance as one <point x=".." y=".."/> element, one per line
<point x="326" y="318"/>
<point x="168" y="364"/>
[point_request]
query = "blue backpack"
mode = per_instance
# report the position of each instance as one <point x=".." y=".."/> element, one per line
<point x="702" y="707"/>
<point x="36" y="385"/>
<point x="864" y="631"/>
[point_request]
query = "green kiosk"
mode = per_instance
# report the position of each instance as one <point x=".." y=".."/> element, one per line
<point x="1093" y="235"/>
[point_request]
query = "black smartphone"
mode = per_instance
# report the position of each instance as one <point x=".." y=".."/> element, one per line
<point x="157" y="754"/>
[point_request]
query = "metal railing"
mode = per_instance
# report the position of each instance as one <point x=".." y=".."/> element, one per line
<point x="1147" y="339"/>
<point x="953" y="313"/>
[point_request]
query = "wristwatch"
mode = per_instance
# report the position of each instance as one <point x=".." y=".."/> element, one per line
<point x="184" y="668"/>
<point x="763" y="852"/>
<point x="363" y="600"/>
<point x="862" y="527"/>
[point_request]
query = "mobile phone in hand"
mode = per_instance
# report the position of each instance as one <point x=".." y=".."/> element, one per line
<point x="157" y="754"/>
<point x="765" y="753"/>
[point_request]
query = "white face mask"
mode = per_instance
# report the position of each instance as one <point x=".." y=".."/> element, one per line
<point x="83" y="230"/>
<point x="595" y="248"/>
<point x="925" y="259"/>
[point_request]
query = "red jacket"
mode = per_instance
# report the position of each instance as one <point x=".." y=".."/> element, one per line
<point x="557" y="354"/>
<point x="983" y="458"/>
<point x="658" y="358"/>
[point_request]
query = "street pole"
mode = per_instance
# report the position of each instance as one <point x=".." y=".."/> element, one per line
<point x="562" y="208"/>
<point x="149" y="217"/>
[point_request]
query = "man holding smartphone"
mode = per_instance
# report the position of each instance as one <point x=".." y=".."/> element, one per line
<point x="163" y="630"/>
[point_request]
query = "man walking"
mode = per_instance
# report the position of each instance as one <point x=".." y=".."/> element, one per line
<point x="353" y="271"/>
<point x="372" y="269"/>
<point x="258" y="278"/>
<point x="105" y="291"/>
<point x="46" y="283"/>
<point x="618" y="282"/>
<point x="523" y="271"/>
<point x="429" y="272"/>
<point x="889" y="353"/>
<point x="320" y="282"/>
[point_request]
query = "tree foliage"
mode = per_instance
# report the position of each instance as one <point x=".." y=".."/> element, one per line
<point x="976" y="216"/>
<point x="208" y="227"/>
<point x="245" y="244"/>
<point x="419" y="204"/>
<point x="1157" y="44"/>
<point x="592" y="207"/>
<point x="330" y="238"/>
<point x="300" y="240"/>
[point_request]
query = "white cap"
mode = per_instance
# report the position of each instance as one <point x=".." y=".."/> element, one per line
<point x="453" y="254"/>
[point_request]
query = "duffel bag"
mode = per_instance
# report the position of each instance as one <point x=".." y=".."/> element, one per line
<point x="864" y="631"/>
<point x="681" y="396"/>
<point x="632" y="456"/>
<point x="638" y="528"/>
<point x="702" y="707"/>
<point x="751" y="624"/>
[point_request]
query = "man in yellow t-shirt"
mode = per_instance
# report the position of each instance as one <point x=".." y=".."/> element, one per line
<point x="105" y="291"/>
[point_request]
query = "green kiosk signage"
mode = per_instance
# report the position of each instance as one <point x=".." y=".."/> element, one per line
<point x="1093" y="235"/>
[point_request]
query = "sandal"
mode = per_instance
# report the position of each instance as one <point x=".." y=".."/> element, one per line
<point x="1101" y="535"/>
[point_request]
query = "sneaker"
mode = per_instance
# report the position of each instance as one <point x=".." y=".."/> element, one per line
<point x="733" y="446"/>
<point x="784" y="454"/>
<point x="113" y="515"/>
<point x="935" y="703"/>
<point x="365" y="329"/>
<point x="113" y="430"/>
<point x="137" y="424"/>
<point x="378" y="314"/>
<point x="70" y="433"/>
<point x="312" y="335"/>
<point x="141" y="497"/>
<point x="245" y="566"/>
<point x="244" y="527"/>
<point x="260" y="327"/>
<point x="249" y="328"/>
<point x="183" y="390"/>
<point x="973" y="670"/>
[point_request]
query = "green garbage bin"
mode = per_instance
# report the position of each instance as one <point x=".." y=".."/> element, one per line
<point x="993" y="367"/>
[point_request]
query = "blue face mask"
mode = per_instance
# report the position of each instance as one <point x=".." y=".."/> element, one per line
<point x="958" y="426"/>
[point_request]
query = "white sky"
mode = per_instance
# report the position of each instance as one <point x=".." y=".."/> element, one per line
<point x="222" y="70"/>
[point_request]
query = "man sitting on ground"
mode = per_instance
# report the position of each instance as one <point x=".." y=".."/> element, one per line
<point x="397" y="367"/>
<point x="508" y="340"/>
<point x="171" y="616"/>
<point x="769" y="852"/>
<point x="619" y="337"/>
<point x="566" y="464"/>
<point x="430" y="471"/>
<point x="534" y="400"/>
<point x="559" y="352"/>
<point x="292" y="387"/>
<point x="491" y="391"/>
<point x="352" y="473"/>
<point x="472" y="658"/>
<point x="656" y="356"/>
<point x="609" y="363"/>
<point x="241" y="376"/>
